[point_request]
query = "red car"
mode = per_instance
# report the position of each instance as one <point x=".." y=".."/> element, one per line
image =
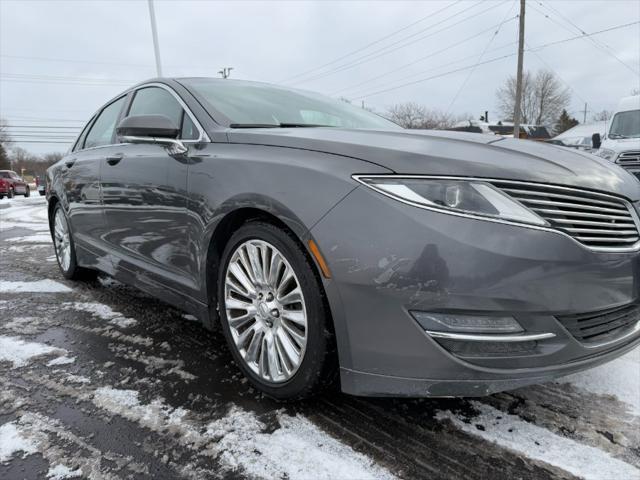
<point x="11" y="184"/>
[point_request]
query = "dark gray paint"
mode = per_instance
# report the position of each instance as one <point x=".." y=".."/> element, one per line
<point x="385" y="257"/>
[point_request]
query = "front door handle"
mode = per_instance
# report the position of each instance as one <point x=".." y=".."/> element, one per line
<point x="114" y="159"/>
<point x="69" y="163"/>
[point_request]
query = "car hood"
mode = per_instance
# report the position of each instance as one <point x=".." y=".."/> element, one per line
<point x="424" y="152"/>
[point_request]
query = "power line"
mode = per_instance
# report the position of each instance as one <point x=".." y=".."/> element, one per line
<point x="371" y="44"/>
<point x="418" y="60"/>
<point x="43" y="141"/>
<point x="535" y="48"/>
<point x="43" y="126"/>
<point x="603" y="47"/>
<point x="387" y="49"/>
<point x="495" y="34"/>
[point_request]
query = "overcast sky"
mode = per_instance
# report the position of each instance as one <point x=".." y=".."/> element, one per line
<point x="60" y="60"/>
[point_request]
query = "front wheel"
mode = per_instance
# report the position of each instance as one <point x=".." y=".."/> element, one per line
<point x="272" y="313"/>
<point x="10" y="193"/>
<point x="27" y="192"/>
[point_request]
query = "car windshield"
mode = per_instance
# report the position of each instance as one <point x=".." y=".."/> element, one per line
<point x="625" y="125"/>
<point x="254" y="104"/>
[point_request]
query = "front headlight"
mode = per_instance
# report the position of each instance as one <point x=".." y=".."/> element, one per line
<point x="606" y="154"/>
<point x="459" y="197"/>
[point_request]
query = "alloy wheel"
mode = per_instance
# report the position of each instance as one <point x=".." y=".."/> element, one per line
<point x="265" y="311"/>
<point x="61" y="240"/>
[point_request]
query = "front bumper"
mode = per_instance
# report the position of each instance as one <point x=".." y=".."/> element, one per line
<point x="388" y="259"/>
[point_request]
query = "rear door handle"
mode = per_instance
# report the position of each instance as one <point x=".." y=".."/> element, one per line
<point x="114" y="159"/>
<point x="69" y="163"/>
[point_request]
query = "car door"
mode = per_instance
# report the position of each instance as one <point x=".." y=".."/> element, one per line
<point x="81" y="177"/>
<point x="144" y="195"/>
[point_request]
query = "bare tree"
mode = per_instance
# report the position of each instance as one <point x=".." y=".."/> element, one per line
<point x="602" y="115"/>
<point x="5" y="138"/>
<point x="414" y="115"/>
<point x="543" y="98"/>
<point x="407" y="115"/>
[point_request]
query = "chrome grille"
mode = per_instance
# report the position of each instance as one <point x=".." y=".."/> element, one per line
<point x="629" y="159"/>
<point x="596" y="220"/>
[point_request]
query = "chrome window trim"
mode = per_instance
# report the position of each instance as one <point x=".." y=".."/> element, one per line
<point x="631" y="248"/>
<point x="203" y="137"/>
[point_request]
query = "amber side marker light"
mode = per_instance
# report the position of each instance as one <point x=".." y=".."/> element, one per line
<point x="315" y="251"/>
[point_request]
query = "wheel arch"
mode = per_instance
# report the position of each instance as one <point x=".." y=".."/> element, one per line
<point x="221" y="235"/>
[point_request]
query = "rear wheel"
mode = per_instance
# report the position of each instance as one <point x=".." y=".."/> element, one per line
<point x="27" y="192"/>
<point x="65" y="247"/>
<point x="273" y="314"/>
<point x="10" y="193"/>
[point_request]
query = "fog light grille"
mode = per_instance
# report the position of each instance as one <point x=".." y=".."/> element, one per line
<point x="603" y="326"/>
<point x="488" y="349"/>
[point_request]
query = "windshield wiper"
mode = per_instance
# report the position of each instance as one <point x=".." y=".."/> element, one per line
<point x="275" y="125"/>
<point x="617" y="135"/>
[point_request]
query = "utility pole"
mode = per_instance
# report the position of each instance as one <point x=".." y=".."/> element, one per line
<point x="225" y="72"/>
<point x="584" y="118"/>
<point x="154" y="33"/>
<point x="517" y="113"/>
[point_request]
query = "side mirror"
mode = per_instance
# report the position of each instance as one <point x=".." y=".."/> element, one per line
<point x="147" y="126"/>
<point x="596" y="141"/>
<point x="151" y="129"/>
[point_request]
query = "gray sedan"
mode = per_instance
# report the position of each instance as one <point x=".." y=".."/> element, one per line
<point x="326" y="241"/>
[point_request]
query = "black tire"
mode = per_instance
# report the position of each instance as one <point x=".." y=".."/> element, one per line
<point x="74" y="272"/>
<point x="10" y="193"/>
<point x="318" y="366"/>
<point x="27" y="192"/>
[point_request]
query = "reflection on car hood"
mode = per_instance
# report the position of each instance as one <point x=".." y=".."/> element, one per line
<point x="424" y="152"/>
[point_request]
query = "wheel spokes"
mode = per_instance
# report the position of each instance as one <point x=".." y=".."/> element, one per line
<point x="265" y="310"/>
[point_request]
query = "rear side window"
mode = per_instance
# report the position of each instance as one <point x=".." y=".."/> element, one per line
<point x="101" y="132"/>
<point x="158" y="101"/>
<point x="79" y="144"/>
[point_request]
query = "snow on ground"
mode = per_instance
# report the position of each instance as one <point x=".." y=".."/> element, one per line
<point x="20" y="352"/>
<point x="104" y="312"/>
<point x="620" y="378"/>
<point x="64" y="360"/>
<point x="60" y="472"/>
<point x="38" y="286"/>
<point x="13" y="440"/>
<point x="298" y="450"/>
<point x="511" y="432"/>
<point x="37" y="238"/>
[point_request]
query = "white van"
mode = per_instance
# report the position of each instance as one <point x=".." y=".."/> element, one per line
<point x="622" y="142"/>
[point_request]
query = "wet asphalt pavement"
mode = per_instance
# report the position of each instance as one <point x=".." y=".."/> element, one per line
<point x="133" y="388"/>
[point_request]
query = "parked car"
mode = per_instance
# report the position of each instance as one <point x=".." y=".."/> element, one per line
<point x="322" y="238"/>
<point x="12" y="184"/>
<point x="622" y="144"/>
<point x="41" y="184"/>
<point x="580" y="136"/>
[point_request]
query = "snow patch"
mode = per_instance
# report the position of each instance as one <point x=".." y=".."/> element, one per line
<point x="102" y="311"/>
<point x="38" y="286"/>
<point x="38" y="238"/>
<point x="297" y="450"/>
<point x="509" y="431"/>
<point x="60" y="472"/>
<point x="19" y="352"/>
<point x="63" y="360"/>
<point x="620" y="377"/>
<point x="13" y="440"/>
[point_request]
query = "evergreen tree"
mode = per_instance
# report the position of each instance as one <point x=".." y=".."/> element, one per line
<point x="565" y="122"/>
<point x="4" y="159"/>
